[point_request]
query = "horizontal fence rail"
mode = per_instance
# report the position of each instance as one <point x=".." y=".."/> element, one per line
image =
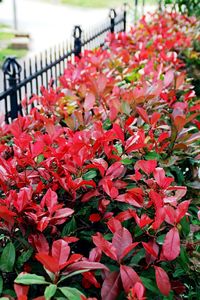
<point x="24" y="81"/>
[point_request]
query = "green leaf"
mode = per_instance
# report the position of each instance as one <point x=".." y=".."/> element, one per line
<point x="178" y="272"/>
<point x="69" y="228"/>
<point x="4" y="298"/>
<point x="9" y="292"/>
<point x="152" y="155"/>
<point x="40" y="158"/>
<point x="73" y="274"/>
<point x="7" y="259"/>
<point x="24" y="257"/>
<point x="107" y="124"/>
<point x="71" y="293"/>
<point x="184" y="259"/>
<point x="185" y="226"/>
<point x="1" y="284"/>
<point x="138" y="231"/>
<point x="90" y="175"/>
<point x="127" y="161"/>
<point x="150" y="285"/>
<point x="119" y="148"/>
<point x="126" y="108"/>
<point x="50" y="291"/>
<point x="137" y="257"/>
<point x="28" y="279"/>
<point x="160" y="239"/>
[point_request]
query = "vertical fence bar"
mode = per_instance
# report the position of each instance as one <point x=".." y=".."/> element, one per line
<point x="125" y="16"/>
<point x="77" y="40"/>
<point x="12" y="69"/>
<point x="160" y="5"/>
<point x="112" y="16"/>
<point x="143" y="5"/>
<point x="136" y="11"/>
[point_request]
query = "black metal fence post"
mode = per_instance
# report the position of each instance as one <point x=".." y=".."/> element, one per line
<point x="136" y="11"/>
<point x="160" y="5"/>
<point x="77" y="40"/>
<point x="12" y="69"/>
<point x="143" y="5"/>
<point x="125" y="16"/>
<point x="112" y="16"/>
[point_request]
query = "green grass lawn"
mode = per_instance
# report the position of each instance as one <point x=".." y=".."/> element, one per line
<point x="6" y="35"/>
<point x="5" y="48"/>
<point x="104" y="3"/>
<point x="11" y="52"/>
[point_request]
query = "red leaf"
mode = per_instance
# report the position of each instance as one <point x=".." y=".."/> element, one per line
<point x="89" y="102"/>
<point x="39" y="242"/>
<point x="118" y="131"/>
<point x="147" y="166"/>
<point x="159" y="218"/>
<point x="114" y="225"/>
<point x="130" y="199"/>
<point x="43" y="223"/>
<point x="180" y="80"/>
<point x="95" y="217"/>
<point x="105" y="246"/>
<point x="178" y="287"/>
<point x="37" y="148"/>
<point x="121" y="240"/>
<point x="129" y="277"/>
<point x="137" y="292"/>
<point x="89" y="195"/>
<point x="149" y="249"/>
<point x="162" y="281"/>
<point x="70" y="239"/>
<point x="101" y="83"/>
<point x="21" y="291"/>
<point x="181" y="210"/>
<point x="73" y="259"/>
<point x="162" y="181"/>
<point x="128" y="249"/>
<point x="23" y="199"/>
<point x="100" y="164"/>
<point x="171" y="246"/>
<point x="60" y="251"/>
<point x="83" y="265"/>
<point x="143" y="114"/>
<point x="155" y="117"/>
<point x="115" y="170"/>
<point x="179" y="122"/>
<point x="170" y="215"/>
<point x="149" y="257"/>
<point x="49" y="262"/>
<point x="109" y="187"/>
<point x="89" y="277"/>
<point x="169" y="77"/>
<point x="124" y="216"/>
<point x="7" y="215"/>
<point x="50" y="199"/>
<point x="156" y="198"/>
<point x="111" y="286"/>
<point x="143" y="221"/>
<point x="63" y="213"/>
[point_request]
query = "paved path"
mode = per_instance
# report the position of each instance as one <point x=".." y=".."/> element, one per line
<point x="48" y="23"/>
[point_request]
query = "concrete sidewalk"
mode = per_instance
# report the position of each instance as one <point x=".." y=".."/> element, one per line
<point x="48" y="23"/>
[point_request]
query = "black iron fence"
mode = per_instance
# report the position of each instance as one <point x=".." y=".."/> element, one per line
<point x="24" y="81"/>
